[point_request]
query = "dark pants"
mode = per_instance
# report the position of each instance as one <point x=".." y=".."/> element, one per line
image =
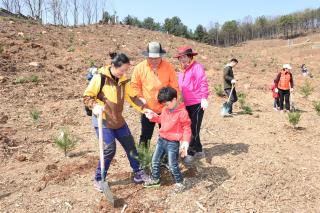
<point x="284" y="96"/>
<point x="171" y="148"/>
<point x="147" y="128"/>
<point x="196" y="114"/>
<point x="276" y="103"/>
<point x="233" y="98"/>
<point x="123" y="135"/>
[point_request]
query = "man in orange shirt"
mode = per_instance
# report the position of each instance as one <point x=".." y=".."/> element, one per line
<point x="147" y="79"/>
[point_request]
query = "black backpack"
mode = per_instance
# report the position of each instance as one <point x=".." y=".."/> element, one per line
<point x="103" y="81"/>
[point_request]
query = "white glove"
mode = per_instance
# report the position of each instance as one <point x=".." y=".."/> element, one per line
<point x="143" y="100"/>
<point x="204" y="103"/>
<point x="93" y="70"/>
<point x="291" y="89"/>
<point x="184" y="148"/>
<point x="233" y="81"/>
<point x="97" y="109"/>
<point x="276" y="90"/>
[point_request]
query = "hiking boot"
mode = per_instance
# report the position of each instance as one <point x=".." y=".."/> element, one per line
<point x="140" y="177"/>
<point x="179" y="187"/>
<point x="199" y="155"/>
<point x="97" y="185"/>
<point x="188" y="160"/>
<point x="152" y="183"/>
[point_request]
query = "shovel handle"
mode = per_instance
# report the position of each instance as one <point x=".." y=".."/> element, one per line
<point x="232" y="88"/>
<point x="101" y="146"/>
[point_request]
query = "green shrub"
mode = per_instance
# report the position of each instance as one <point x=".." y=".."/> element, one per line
<point x="84" y="43"/>
<point x="317" y="107"/>
<point x="92" y="63"/>
<point x="27" y="39"/>
<point x="242" y="99"/>
<point x="1" y="48"/>
<point x="219" y="90"/>
<point x="65" y="141"/>
<point x="243" y="103"/>
<point x="247" y="109"/>
<point x="35" y="115"/>
<point x="294" y="118"/>
<point x="71" y="49"/>
<point x="22" y="79"/>
<point x="306" y="89"/>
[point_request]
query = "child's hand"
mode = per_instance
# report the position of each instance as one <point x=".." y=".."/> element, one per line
<point x="184" y="148"/>
<point x="149" y="113"/>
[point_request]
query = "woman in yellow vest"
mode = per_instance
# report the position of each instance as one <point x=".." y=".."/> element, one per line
<point x="110" y="102"/>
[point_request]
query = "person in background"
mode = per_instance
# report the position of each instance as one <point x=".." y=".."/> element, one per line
<point x="284" y="85"/>
<point x="275" y="96"/>
<point x="229" y="80"/>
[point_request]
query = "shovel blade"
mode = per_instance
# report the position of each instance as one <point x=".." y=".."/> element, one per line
<point x="225" y="109"/>
<point x="107" y="192"/>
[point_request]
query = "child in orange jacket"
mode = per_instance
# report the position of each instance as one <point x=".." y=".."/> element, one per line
<point x="175" y="128"/>
<point x="275" y="95"/>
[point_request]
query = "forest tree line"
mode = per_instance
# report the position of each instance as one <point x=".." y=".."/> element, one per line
<point x="82" y="12"/>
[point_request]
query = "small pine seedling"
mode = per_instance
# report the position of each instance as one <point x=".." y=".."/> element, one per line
<point x="294" y="118"/>
<point x="306" y="89"/>
<point x="65" y="141"/>
<point x="1" y="48"/>
<point x="247" y="109"/>
<point x="317" y="107"/>
<point x="144" y="156"/>
<point x="71" y="49"/>
<point x="35" y="115"/>
<point x="219" y="90"/>
<point x="22" y="80"/>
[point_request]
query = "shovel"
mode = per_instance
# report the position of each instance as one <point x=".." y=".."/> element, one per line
<point x="226" y="105"/>
<point x="104" y="184"/>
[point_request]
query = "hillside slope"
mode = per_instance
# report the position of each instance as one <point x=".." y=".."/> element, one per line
<point x="254" y="163"/>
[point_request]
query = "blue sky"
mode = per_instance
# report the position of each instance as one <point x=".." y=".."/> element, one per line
<point x="202" y="12"/>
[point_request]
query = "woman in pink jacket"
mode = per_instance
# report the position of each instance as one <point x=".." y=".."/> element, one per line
<point x="194" y="87"/>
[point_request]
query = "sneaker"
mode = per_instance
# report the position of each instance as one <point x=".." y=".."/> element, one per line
<point x="188" y="159"/>
<point x="275" y="108"/>
<point x="199" y="155"/>
<point x="152" y="183"/>
<point x="97" y="185"/>
<point x="179" y="187"/>
<point x="140" y="177"/>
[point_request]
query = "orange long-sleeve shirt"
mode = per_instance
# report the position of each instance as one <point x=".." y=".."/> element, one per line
<point x="147" y="83"/>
